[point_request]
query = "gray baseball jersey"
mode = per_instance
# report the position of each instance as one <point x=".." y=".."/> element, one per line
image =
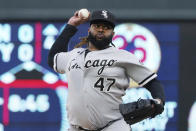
<point x="97" y="81"/>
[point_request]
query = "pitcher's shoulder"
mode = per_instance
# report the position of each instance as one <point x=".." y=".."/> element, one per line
<point x="77" y="50"/>
<point x="122" y="52"/>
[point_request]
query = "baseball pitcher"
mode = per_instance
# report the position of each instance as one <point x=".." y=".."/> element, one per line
<point x="99" y="75"/>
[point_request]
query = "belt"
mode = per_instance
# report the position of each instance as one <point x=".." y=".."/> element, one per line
<point x="109" y="123"/>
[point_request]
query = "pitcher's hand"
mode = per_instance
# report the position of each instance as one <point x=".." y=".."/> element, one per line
<point x="76" y="20"/>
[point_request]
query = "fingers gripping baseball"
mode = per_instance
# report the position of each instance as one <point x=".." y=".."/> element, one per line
<point x="79" y="18"/>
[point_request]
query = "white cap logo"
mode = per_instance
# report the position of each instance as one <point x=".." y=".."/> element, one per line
<point x="104" y="13"/>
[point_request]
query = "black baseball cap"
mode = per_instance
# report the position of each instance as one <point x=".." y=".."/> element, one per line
<point x="104" y="16"/>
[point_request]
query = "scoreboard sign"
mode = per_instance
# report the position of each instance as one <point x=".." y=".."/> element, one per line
<point x="31" y="94"/>
<point x="33" y="97"/>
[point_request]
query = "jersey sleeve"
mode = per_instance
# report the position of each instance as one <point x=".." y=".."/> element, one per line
<point x="136" y="70"/>
<point x="62" y="59"/>
<point x="60" y="62"/>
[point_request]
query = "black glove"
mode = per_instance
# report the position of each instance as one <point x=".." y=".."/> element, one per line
<point x="158" y="107"/>
<point x="143" y="108"/>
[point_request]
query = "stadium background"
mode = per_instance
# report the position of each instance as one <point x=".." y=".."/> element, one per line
<point x="33" y="97"/>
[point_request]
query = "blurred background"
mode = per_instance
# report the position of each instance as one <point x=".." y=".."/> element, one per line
<point x="161" y="33"/>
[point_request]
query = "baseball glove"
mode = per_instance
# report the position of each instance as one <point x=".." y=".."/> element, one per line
<point x="143" y="108"/>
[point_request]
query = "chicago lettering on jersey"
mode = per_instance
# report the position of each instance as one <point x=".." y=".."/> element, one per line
<point x="99" y="63"/>
<point x="74" y="66"/>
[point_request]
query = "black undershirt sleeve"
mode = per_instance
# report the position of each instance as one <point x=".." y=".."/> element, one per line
<point x="61" y="43"/>
<point x="156" y="89"/>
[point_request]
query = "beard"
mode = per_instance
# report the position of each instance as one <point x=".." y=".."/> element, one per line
<point x="100" y="44"/>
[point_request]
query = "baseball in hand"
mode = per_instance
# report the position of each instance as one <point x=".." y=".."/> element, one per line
<point x="83" y="13"/>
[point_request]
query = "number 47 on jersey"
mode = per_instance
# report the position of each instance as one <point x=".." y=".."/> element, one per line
<point x="100" y="83"/>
